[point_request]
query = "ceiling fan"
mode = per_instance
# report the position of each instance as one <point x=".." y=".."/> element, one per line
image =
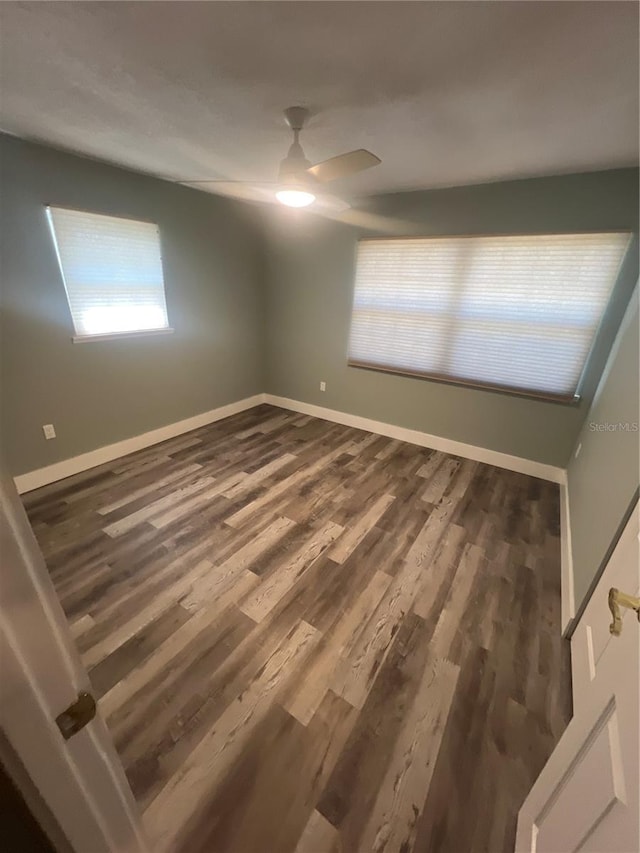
<point x="299" y="183"/>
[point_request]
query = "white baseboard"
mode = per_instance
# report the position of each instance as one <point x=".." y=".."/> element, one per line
<point x="423" y="439"/>
<point x="568" y="603"/>
<point x="60" y="470"/>
<point x="67" y="467"/>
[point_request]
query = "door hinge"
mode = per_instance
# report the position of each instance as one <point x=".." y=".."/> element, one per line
<point x="77" y="715"/>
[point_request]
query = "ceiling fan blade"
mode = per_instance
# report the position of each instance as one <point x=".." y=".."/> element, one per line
<point x="344" y="165"/>
<point x="266" y="193"/>
<point x="237" y="189"/>
<point x="328" y="203"/>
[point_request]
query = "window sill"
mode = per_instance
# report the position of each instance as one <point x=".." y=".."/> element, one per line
<point x="464" y="383"/>
<point x="116" y="336"/>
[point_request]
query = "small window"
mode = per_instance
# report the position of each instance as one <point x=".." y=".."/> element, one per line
<point x="507" y="313"/>
<point x="112" y="272"/>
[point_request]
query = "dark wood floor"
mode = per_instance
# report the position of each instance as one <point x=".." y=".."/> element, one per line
<point x="310" y="638"/>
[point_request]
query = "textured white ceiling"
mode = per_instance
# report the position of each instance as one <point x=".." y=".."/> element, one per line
<point x="445" y="93"/>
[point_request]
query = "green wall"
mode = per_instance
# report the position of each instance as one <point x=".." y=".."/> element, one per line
<point x="260" y="300"/>
<point x="100" y="392"/>
<point x="309" y="278"/>
<point x="604" y="476"/>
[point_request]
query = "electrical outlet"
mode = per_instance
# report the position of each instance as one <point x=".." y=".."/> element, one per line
<point x="49" y="431"/>
<point x="323" y="386"/>
<point x="578" y="449"/>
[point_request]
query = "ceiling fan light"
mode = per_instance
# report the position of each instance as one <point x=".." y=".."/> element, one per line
<point x="295" y="198"/>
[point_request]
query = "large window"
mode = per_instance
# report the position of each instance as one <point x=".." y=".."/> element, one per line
<point x="112" y="271"/>
<point x="510" y="313"/>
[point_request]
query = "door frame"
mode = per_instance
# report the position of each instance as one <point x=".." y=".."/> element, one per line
<point x="605" y="710"/>
<point x="80" y="780"/>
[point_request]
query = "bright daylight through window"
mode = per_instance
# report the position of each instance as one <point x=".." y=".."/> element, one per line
<point x="112" y="271"/>
<point x="510" y="313"/>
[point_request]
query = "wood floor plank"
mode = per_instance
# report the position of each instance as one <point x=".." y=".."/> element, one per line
<point x="429" y="468"/>
<point x="204" y="497"/>
<point x="196" y="698"/>
<point x="435" y="584"/>
<point x="261" y="601"/>
<point x="350" y="541"/>
<point x="440" y="481"/>
<point x="81" y="625"/>
<point x="145" y="576"/>
<point x="356" y="673"/>
<point x="283" y="486"/>
<point x="260" y="474"/>
<point x="285" y="787"/>
<point x="156" y="737"/>
<point x="362" y="444"/>
<point x="401" y="796"/>
<point x="225" y="576"/>
<point x="352" y="789"/>
<point x="148" y="489"/>
<point x="153" y="609"/>
<point x="307" y="638"/>
<point x="137" y="681"/>
<point x="319" y="836"/>
<point x="155" y="508"/>
<point x="307" y="694"/>
<point x="222" y="745"/>
<point x="462" y="741"/>
<point x="454" y="608"/>
<point x="462" y="480"/>
<point x="129" y="656"/>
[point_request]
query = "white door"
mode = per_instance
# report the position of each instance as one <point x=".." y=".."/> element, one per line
<point x="587" y="797"/>
<point x="80" y="779"/>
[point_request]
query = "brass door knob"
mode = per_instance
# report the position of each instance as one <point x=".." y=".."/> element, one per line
<point x="77" y="715"/>
<point x="617" y="600"/>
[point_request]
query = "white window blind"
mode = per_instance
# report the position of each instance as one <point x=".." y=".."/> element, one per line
<point x="112" y="271"/>
<point x="513" y="313"/>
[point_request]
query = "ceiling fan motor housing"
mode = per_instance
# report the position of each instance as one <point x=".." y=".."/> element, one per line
<point x="296" y="117"/>
<point x="293" y="169"/>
